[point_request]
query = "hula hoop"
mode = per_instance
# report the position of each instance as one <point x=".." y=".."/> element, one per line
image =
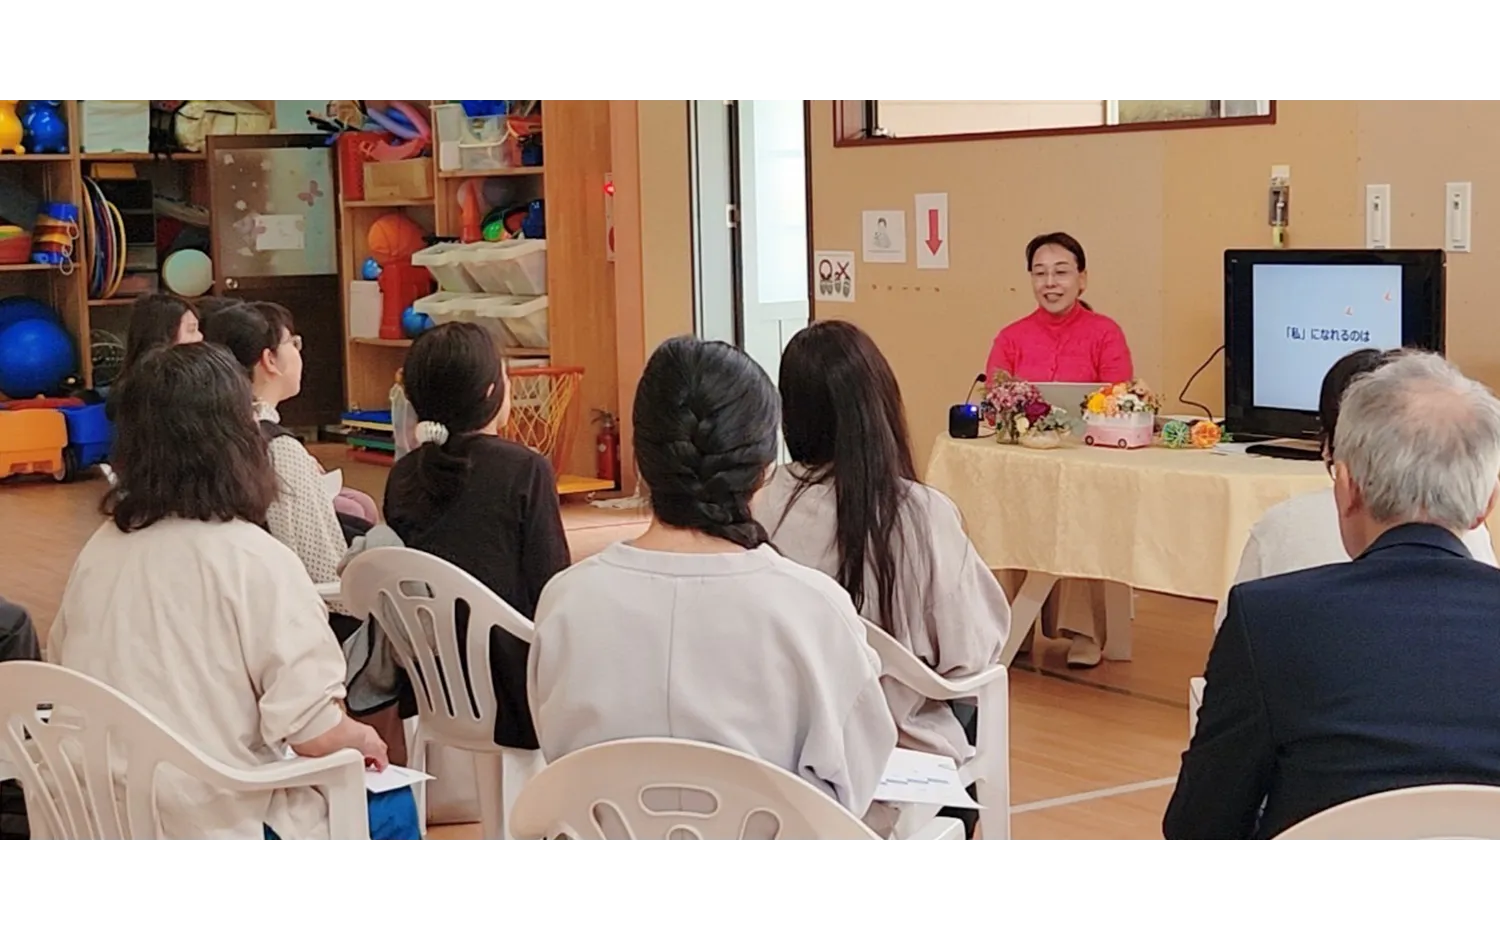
<point x="391" y="126"/>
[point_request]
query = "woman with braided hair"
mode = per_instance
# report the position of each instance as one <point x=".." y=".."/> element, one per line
<point x="699" y="629"/>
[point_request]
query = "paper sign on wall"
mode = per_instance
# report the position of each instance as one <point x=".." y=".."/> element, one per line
<point x="834" y="273"/>
<point x="885" y="236"/>
<point x="932" y="230"/>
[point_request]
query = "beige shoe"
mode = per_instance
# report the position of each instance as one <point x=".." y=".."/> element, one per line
<point x="1083" y="652"/>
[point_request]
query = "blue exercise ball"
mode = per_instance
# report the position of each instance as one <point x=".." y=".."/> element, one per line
<point x="16" y="309"/>
<point x="36" y="357"/>
<point x="414" y="324"/>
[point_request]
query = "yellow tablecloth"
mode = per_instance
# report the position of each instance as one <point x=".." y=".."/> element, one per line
<point x="1171" y="521"/>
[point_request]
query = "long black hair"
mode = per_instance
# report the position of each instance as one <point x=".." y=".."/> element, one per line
<point x="186" y="442"/>
<point x="453" y="376"/>
<point x="705" y="421"/>
<point x="1067" y="243"/>
<point x="154" y="321"/>
<point x="843" y="418"/>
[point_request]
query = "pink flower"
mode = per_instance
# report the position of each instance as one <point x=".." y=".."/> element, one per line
<point x="1037" y="409"/>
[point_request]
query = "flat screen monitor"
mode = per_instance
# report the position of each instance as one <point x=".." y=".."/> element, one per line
<point x="1290" y="315"/>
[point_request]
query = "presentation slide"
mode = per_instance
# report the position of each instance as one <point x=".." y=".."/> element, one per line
<point x="1307" y="317"/>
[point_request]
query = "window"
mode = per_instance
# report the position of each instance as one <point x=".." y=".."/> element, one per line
<point x="869" y="122"/>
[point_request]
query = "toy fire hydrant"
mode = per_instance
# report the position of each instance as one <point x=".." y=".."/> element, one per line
<point x="11" y="131"/>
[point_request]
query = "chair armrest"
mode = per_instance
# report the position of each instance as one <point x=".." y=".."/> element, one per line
<point x="292" y="772"/>
<point x="940" y="828"/>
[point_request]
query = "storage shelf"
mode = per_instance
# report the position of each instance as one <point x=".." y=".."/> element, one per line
<point x="113" y="302"/>
<point x="384" y="203"/>
<point x="6" y="268"/>
<point x="520" y="352"/>
<point x="35" y="157"/>
<point x="126" y="157"/>
<point x="505" y="171"/>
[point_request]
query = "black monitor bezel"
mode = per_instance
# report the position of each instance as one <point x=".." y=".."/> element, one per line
<point x="1423" y="325"/>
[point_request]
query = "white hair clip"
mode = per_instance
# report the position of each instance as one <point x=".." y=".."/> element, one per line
<point x="431" y="431"/>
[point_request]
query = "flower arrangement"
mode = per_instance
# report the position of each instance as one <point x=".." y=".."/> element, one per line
<point x="1021" y="414"/>
<point x="1120" y="415"/>
<point x="1122" y="398"/>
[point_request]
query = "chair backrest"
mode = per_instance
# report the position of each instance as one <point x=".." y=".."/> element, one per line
<point x="73" y="791"/>
<point x="1445" y="811"/>
<point x="666" y="788"/>
<point x="417" y="600"/>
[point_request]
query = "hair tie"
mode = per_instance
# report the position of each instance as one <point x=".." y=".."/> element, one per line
<point x="431" y="431"/>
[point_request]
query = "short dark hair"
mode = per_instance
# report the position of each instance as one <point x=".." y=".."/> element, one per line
<point x="705" y="418"/>
<point x="248" y="329"/>
<point x="447" y="378"/>
<point x="186" y="442"/>
<point x="1337" y="381"/>
<point x="208" y="306"/>
<point x="1062" y="240"/>
<point x="154" y="321"/>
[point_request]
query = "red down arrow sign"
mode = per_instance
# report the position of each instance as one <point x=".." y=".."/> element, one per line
<point x="932" y="214"/>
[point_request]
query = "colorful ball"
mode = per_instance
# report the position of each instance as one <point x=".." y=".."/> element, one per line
<point x="414" y="324"/>
<point x="1175" y="433"/>
<point x="16" y="309"/>
<point x="394" y="237"/>
<point x="188" y="273"/>
<point x="36" y="358"/>
<point x="370" y="270"/>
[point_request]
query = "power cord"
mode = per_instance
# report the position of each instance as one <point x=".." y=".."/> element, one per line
<point x="1182" y="396"/>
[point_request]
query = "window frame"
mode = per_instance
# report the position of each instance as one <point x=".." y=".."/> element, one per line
<point x="851" y="127"/>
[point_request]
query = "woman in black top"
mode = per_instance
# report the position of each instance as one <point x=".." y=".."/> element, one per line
<point x="483" y="503"/>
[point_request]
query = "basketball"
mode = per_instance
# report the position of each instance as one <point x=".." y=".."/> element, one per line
<point x="394" y="237"/>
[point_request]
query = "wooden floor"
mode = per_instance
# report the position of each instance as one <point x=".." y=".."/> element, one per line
<point x="1092" y="752"/>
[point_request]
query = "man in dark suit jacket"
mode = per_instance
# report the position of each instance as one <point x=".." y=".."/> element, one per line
<point x="1334" y="683"/>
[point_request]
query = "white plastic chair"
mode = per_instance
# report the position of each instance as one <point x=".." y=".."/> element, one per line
<point x="668" y="788"/>
<point x="1444" y="811"/>
<point x="73" y="792"/>
<point x="989" y="769"/>
<point x="330" y="591"/>
<point x="414" y="598"/>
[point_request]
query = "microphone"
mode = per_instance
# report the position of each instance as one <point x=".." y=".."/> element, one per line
<point x="963" y="420"/>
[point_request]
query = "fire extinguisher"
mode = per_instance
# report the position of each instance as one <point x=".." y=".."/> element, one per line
<point x="607" y="448"/>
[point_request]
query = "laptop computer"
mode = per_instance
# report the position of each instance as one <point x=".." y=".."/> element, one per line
<point x="1069" y="397"/>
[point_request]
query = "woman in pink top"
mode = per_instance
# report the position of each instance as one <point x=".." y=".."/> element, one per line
<point x="1063" y="340"/>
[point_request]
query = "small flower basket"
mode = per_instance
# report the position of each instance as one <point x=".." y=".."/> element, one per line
<point x="1120" y="416"/>
<point x="1022" y="416"/>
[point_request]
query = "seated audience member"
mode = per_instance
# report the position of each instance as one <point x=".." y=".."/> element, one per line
<point x="483" y="503"/>
<point x="155" y="320"/>
<point x="1377" y="674"/>
<point x="851" y="507"/>
<point x="18" y="641"/>
<point x="259" y="336"/>
<point x="1303" y="532"/>
<point x="185" y="603"/>
<point x="699" y="629"/>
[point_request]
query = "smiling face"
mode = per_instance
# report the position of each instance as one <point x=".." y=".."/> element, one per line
<point x="1056" y="280"/>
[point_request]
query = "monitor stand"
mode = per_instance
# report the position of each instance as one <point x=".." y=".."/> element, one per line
<point x="1288" y="449"/>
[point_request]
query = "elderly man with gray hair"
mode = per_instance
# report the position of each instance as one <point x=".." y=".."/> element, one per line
<point x="1334" y="683"/>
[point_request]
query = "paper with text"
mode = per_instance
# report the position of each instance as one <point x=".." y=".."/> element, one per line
<point x="927" y="779"/>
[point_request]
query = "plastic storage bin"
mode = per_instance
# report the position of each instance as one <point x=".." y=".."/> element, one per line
<point x="443" y="260"/>
<point x="90" y="436"/>
<point x="33" y="441"/>
<point x="515" y="267"/>
<point x="445" y="306"/>
<point x="517" y="321"/>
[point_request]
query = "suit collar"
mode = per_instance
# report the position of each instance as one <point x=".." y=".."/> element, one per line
<point x="1418" y="535"/>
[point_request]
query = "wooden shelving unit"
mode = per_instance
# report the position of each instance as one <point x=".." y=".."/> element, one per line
<point x="581" y="310"/>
